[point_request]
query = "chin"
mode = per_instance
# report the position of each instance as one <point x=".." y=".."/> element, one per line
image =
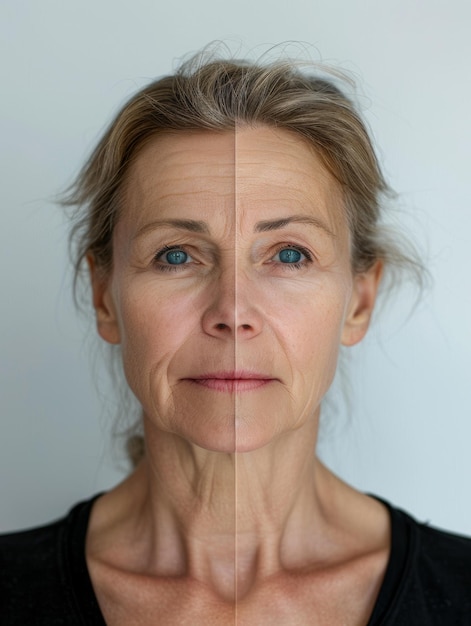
<point x="250" y="438"/>
<point x="230" y="444"/>
<point x="215" y="435"/>
<point x="229" y="424"/>
<point x="229" y="435"/>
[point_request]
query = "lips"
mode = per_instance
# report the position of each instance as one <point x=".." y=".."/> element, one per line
<point x="232" y="381"/>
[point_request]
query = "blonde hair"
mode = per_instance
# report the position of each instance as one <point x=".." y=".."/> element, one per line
<point x="217" y="95"/>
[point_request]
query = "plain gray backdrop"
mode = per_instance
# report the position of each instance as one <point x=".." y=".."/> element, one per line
<point x="67" y="66"/>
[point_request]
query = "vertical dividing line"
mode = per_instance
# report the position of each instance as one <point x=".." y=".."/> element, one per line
<point x="236" y="225"/>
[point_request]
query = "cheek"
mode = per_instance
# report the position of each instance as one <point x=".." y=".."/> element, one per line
<point x="154" y="325"/>
<point x="309" y="318"/>
<point x="309" y="329"/>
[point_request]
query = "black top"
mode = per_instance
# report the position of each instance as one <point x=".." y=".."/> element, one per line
<point x="44" y="579"/>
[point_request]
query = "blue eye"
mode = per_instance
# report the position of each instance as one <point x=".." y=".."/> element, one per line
<point x="176" y="257"/>
<point x="290" y="255"/>
<point x="172" y="259"/>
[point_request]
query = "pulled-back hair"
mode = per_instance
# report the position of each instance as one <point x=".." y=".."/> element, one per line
<point x="221" y="95"/>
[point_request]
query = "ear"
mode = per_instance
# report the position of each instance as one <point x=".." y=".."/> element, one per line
<point x="365" y="288"/>
<point x="105" y="312"/>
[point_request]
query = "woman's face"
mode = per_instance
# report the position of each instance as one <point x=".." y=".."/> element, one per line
<point x="231" y="287"/>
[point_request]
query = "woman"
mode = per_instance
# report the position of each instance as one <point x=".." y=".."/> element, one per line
<point x="230" y="221"/>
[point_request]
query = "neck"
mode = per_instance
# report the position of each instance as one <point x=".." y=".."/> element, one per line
<point x="230" y="518"/>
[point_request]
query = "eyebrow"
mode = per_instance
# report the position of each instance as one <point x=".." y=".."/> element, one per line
<point x="197" y="226"/>
<point x="267" y="225"/>
<point x="194" y="226"/>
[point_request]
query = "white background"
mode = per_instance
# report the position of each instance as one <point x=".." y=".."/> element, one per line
<point x="66" y="66"/>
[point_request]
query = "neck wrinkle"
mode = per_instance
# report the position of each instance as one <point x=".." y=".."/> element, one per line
<point x="233" y="518"/>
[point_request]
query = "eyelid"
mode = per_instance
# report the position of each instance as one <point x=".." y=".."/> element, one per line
<point x="166" y="248"/>
<point x="285" y="245"/>
<point x="157" y="261"/>
<point x="159" y="264"/>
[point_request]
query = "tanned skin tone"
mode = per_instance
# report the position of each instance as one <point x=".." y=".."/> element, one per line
<point x="231" y="292"/>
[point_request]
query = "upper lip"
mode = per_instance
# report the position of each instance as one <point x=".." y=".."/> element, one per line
<point x="233" y="375"/>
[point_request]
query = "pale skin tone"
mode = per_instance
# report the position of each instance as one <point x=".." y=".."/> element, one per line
<point x="230" y="295"/>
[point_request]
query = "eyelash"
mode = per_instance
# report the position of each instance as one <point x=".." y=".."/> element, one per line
<point x="300" y="264"/>
<point x="162" y="267"/>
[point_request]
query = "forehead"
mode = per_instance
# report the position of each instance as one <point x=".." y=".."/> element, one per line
<point x="246" y="174"/>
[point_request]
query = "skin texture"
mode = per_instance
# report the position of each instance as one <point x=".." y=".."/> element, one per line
<point x="230" y="353"/>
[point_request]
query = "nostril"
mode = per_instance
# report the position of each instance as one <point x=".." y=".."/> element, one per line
<point x="221" y="326"/>
<point x="246" y="326"/>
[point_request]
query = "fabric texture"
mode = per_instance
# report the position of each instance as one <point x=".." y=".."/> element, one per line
<point x="44" y="579"/>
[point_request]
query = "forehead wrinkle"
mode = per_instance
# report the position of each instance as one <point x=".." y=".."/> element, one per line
<point x="190" y="147"/>
<point x="149" y="180"/>
<point x="279" y="167"/>
<point x="297" y="154"/>
<point x="297" y="181"/>
<point x="290" y="208"/>
<point x="192" y="184"/>
<point x="177" y="167"/>
<point x="168" y="201"/>
<point x="305" y="170"/>
<point x="319" y="199"/>
<point x="203" y="192"/>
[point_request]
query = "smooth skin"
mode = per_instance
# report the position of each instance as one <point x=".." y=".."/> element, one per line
<point x="230" y="294"/>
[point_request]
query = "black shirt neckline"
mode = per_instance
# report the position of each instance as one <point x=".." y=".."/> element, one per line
<point x="82" y="595"/>
<point x="75" y="564"/>
<point x="403" y="549"/>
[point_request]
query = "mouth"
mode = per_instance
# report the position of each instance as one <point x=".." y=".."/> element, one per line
<point x="232" y="381"/>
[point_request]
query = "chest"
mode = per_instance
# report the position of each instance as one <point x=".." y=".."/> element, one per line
<point x="285" y="602"/>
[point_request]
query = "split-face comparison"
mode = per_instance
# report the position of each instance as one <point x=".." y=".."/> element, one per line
<point x="231" y="288"/>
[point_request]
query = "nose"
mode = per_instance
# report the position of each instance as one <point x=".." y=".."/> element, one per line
<point x="232" y="311"/>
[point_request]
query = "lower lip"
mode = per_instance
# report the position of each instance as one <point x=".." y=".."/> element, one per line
<point x="232" y="385"/>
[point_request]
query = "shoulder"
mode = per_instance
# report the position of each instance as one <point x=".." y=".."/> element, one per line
<point x="435" y="581"/>
<point x="31" y="574"/>
<point x="35" y="576"/>
<point x="443" y="563"/>
<point x="440" y="552"/>
<point x="446" y="546"/>
<point x="18" y="548"/>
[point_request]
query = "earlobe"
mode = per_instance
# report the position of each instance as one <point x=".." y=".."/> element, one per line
<point x="365" y="289"/>
<point x="106" y="320"/>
